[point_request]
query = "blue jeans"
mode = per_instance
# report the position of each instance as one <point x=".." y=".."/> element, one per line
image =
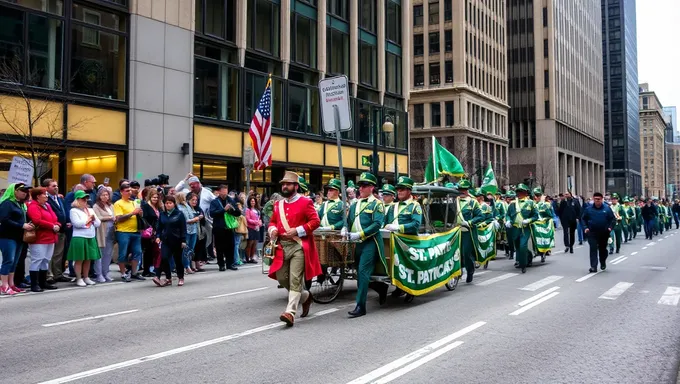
<point x="579" y="230"/>
<point x="129" y="243"/>
<point x="237" y="243"/>
<point x="649" y="228"/>
<point x="11" y="251"/>
<point x="191" y="244"/>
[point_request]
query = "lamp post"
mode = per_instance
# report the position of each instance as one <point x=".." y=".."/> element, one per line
<point x="387" y="128"/>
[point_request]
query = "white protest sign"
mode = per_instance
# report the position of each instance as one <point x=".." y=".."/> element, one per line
<point x="334" y="92"/>
<point x="21" y="171"/>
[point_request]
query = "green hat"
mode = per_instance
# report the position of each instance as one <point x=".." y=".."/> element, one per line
<point x="304" y="187"/>
<point x="405" y="182"/>
<point x="521" y="187"/>
<point x="464" y="184"/>
<point x="368" y="178"/>
<point x="449" y="185"/>
<point x="81" y="195"/>
<point x="334" y="184"/>
<point x="476" y="192"/>
<point x="388" y="189"/>
<point x="615" y="196"/>
<point x="350" y="184"/>
<point x="537" y="191"/>
<point x="511" y="194"/>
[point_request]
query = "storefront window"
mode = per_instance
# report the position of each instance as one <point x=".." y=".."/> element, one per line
<point x="303" y="109"/>
<point x="303" y="40"/>
<point x="255" y="85"/>
<point x="263" y="31"/>
<point x="99" y="163"/>
<point x="49" y="167"/>
<point x="337" y="52"/>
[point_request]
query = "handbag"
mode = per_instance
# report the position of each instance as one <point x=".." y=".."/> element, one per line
<point x="230" y="221"/>
<point x="30" y="237"/>
<point x="147" y="233"/>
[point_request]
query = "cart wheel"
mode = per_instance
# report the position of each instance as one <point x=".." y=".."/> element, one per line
<point x="408" y="298"/>
<point x="453" y="283"/>
<point x="326" y="287"/>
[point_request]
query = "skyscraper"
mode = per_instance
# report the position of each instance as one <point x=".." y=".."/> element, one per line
<point x="653" y="133"/>
<point x="555" y="94"/>
<point x="672" y="114"/>
<point x="621" y="108"/>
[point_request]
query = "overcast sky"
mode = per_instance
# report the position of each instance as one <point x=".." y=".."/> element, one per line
<point x="658" y="32"/>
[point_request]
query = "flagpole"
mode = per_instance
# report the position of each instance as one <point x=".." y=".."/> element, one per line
<point x="435" y="174"/>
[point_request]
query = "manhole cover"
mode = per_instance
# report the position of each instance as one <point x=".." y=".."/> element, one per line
<point x="654" y="267"/>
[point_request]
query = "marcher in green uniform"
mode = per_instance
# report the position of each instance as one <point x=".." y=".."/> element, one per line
<point x="638" y="217"/>
<point x="510" y="196"/>
<point x="304" y="187"/>
<point x="620" y="214"/>
<point x="625" y="227"/>
<point x="669" y="215"/>
<point x="520" y="215"/>
<point x="499" y="216"/>
<point x="366" y="217"/>
<point x="404" y="216"/>
<point x="545" y="211"/>
<point x="389" y="193"/>
<point x="469" y="214"/>
<point x="331" y="211"/>
<point x="632" y="219"/>
<point x="487" y="211"/>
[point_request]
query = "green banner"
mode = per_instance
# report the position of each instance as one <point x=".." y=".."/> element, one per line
<point x="543" y="235"/>
<point x="484" y="240"/>
<point x="421" y="264"/>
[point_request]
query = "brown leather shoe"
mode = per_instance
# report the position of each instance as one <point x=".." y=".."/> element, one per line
<point x="287" y="318"/>
<point x="306" y="305"/>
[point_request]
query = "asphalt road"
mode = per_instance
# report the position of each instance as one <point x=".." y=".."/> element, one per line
<point x="550" y="325"/>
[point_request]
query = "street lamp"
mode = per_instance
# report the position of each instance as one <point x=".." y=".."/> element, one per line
<point x="387" y="127"/>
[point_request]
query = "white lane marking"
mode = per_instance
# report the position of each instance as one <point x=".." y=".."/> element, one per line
<point x="660" y="239"/>
<point x="652" y="243"/>
<point x="644" y="247"/>
<point x="541" y="283"/>
<point x="586" y="277"/>
<point x="171" y="352"/>
<point x="90" y="318"/>
<point x="64" y="289"/>
<point x="464" y="275"/>
<point x="665" y="237"/>
<point x="616" y="291"/>
<point x="417" y="363"/>
<point x="497" y="279"/>
<point x="620" y="260"/>
<point x="533" y="304"/>
<point x="236" y="293"/>
<point x="536" y="297"/>
<point x="613" y="261"/>
<point x="634" y="253"/>
<point x="385" y="369"/>
<point x="670" y="297"/>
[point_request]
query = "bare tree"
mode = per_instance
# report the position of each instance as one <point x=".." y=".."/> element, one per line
<point x="545" y="174"/>
<point x="33" y="127"/>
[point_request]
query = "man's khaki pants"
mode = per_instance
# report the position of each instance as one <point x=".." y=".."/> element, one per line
<point x="292" y="274"/>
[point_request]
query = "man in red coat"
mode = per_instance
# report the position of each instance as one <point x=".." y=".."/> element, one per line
<point x="296" y="259"/>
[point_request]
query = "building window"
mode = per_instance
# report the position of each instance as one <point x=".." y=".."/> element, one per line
<point x="367" y="64"/>
<point x="418" y="15"/>
<point x="448" y="11"/>
<point x="216" y="18"/>
<point x="434" y="74"/>
<point x="303" y="40"/>
<point x="448" y="71"/>
<point x="303" y="109"/>
<point x="418" y="75"/>
<point x="418" y="48"/>
<point x="545" y="47"/>
<point x="449" y="113"/>
<point x="645" y="103"/>
<point x="339" y="8"/>
<point x="263" y="32"/>
<point x="367" y="15"/>
<point x="393" y="75"/>
<point x="98" y="53"/>
<point x="216" y="84"/>
<point x="448" y="40"/>
<point x="393" y="22"/>
<point x="337" y="52"/>
<point x="433" y="13"/>
<point x="419" y="116"/>
<point x="545" y="16"/>
<point x="368" y="116"/>
<point x="547" y="109"/>
<point x="435" y="114"/>
<point x="546" y="79"/>
<point x="434" y="42"/>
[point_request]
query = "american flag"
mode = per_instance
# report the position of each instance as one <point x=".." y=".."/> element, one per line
<point x="261" y="130"/>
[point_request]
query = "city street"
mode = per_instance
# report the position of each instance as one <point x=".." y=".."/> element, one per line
<point x="554" y="324"/>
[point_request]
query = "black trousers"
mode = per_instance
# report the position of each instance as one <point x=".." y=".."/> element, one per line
<point x="224" y="246"/>
<point x="20" y="272"/>
<point x="569" y="229"/>
<point x="171" y="250"/>
<point x="148" y="253"/>
<point x="598" y="246"/>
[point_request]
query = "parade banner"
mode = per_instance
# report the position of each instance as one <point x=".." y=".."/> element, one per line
<point x="421" y="264"/>
<point x="484" y="240"/>
<point x="543" y="235"/>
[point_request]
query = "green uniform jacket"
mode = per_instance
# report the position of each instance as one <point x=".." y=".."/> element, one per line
<point x="621" y="211"/>
<point x="527" y="211"/>
<point x="545" y="210"/>
<point x="409" y="217"/>
<point x="630" y="213"/>
<point x="366" y="216"/>
<point x="501" y="209"/>
<point x="638" y="215"/>
<point x="487" y="213"/>
<point x="330" y="214"/>
<point x="469" y="210"/>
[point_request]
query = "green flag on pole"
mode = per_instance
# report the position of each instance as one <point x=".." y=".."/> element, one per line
<point x="489" y="185"/>
<point x="442" y="162"/>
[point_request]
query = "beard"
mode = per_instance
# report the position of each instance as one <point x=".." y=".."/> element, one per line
<point x="287" y="192"/>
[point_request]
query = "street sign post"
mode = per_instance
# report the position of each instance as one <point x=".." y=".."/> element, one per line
<point x="248" y="162"/>
<point x="336" y="116"/>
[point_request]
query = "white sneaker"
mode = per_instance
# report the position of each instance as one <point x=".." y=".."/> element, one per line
<point x="108" y="278"/>
<point x="88" y="281"/>
<point x="81" y="283"/>
<point x="100" y="279"/>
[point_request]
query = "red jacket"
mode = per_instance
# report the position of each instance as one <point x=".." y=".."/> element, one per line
<point x="44" y="220"/>
<point x="299" y="213"/>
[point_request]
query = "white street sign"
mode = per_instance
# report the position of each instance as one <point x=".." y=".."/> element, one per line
<point x="334" y="92"/>
<point x="21" y="171"/>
